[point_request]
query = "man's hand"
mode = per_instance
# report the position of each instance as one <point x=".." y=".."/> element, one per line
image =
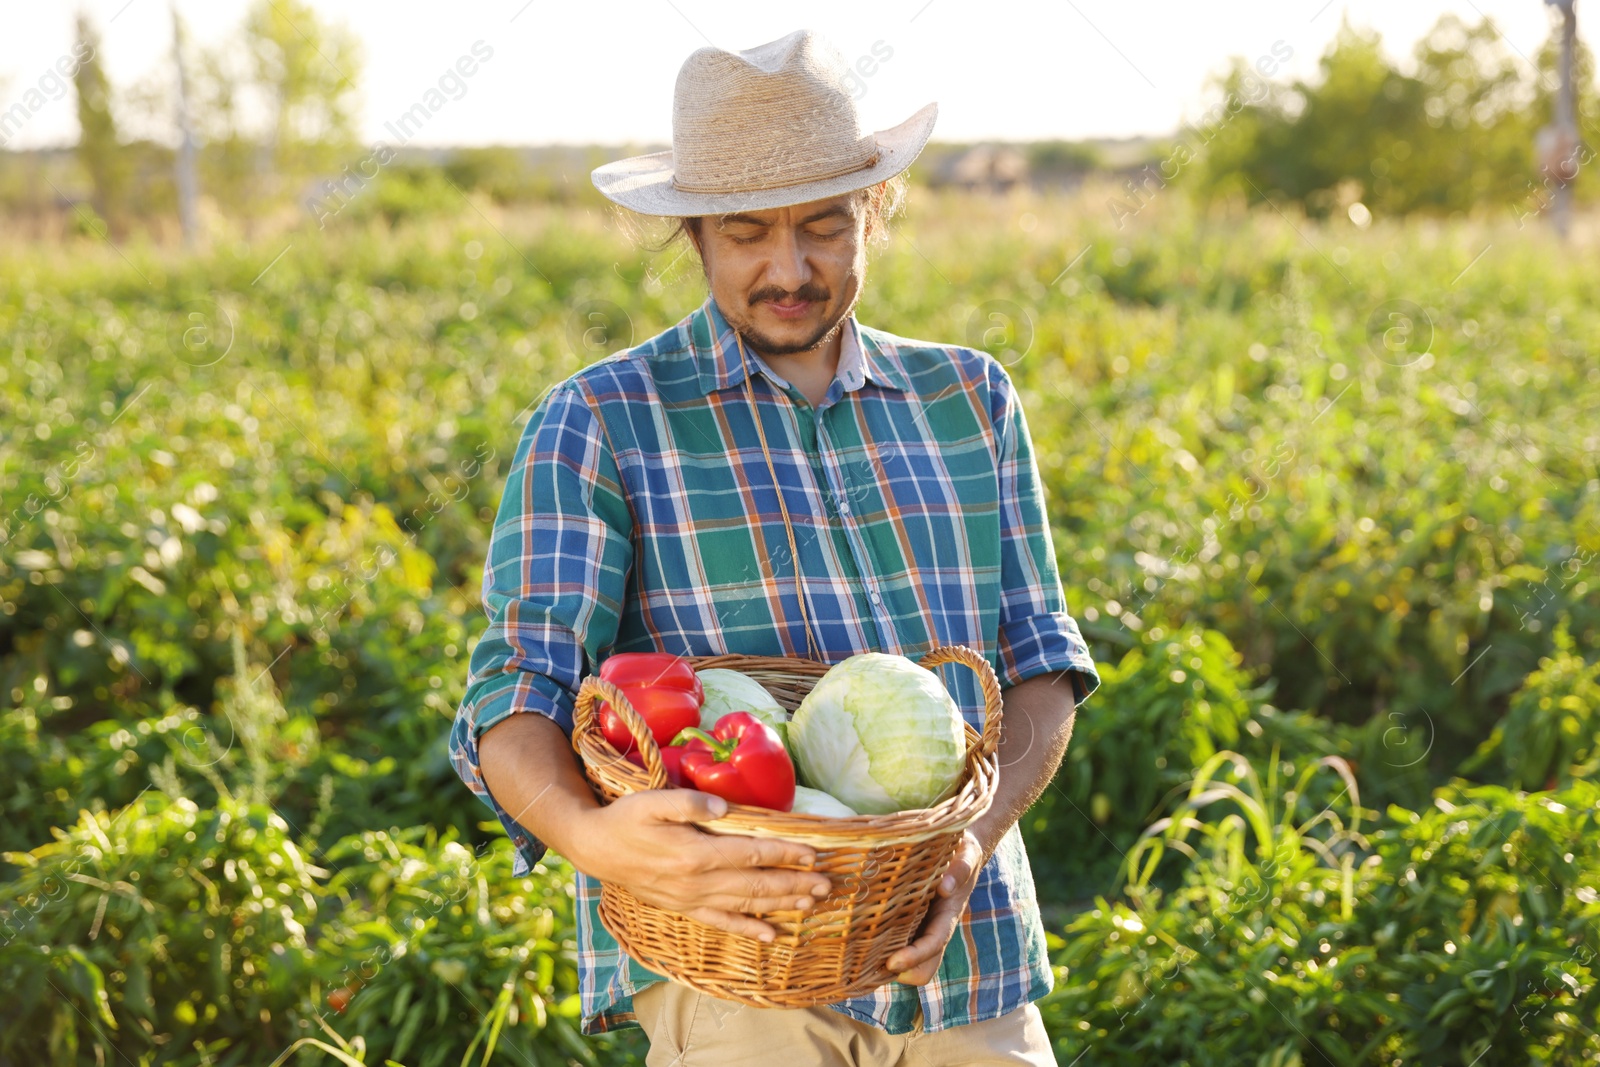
<point x="647" y="843"/>
<point x="918" y="962"/>
<point x="1035" y="729"/>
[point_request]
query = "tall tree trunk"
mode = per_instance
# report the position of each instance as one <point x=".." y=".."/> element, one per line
<point x="1566" y="119"/>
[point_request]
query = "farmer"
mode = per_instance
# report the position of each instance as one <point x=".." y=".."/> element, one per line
<point x="901" y="510"/>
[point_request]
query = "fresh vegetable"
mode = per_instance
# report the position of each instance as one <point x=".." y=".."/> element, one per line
<point x="627" y="669"/>
<point x="741" y="760"/>
<point x="880" y="734"/>
<point x="663" y="688"/>
<point x="665" y="711"/>
<point x="809" y="801"/>
<point x="728" y="690"/>
<point x="671" y="760"/>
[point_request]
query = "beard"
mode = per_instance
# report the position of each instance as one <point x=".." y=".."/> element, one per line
<point x="766" y="345"/>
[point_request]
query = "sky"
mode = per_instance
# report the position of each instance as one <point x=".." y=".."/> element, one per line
<point x="604" y="72"/>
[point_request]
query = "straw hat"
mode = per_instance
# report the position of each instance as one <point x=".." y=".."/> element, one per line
<point x="767" y="127"/>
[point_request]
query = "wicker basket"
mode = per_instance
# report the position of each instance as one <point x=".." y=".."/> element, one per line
<point x="884" y="868"/>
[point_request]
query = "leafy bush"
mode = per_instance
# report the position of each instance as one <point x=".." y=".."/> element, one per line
<point x="1462" y="934"/>
<point x="350" y="590"/>
<point x="166" y="933"/>
<point x="1448" y="134"/>
<point x="1551" y="735"/>
<point x="161" y="933"/>
<point x="1254" y="498"/>
<point x="438" y="955"/>
<point x="49" y="779"/>
<point x="403" y="192"/>
<point x="1165" y="709"/>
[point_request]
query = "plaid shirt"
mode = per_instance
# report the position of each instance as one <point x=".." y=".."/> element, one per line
<point x="639" y="515"/>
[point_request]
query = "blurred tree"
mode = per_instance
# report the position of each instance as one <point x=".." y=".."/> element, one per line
<point x="1454" y="133"/>
<point x="500" y="171"/>
<point x="98" y="149"/>
<point x="307" y="70"/>
<point x="1471" y="144"/>
<point x="1057" y="162"/>
<point x="1361" y="103"/>
<point x="228" y="150"/>
<point x="1300" y="141"/>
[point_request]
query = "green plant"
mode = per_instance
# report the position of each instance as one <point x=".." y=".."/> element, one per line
<point x="167" y="933"/>
<point x="157" y="933"/>
<point x="1163" y="710"/>
<point x="1551" y="735"/>
<point x="404" y="192"/>
<point x="1462" y="934"/>
<point x="1486" y="924"/>
<point x="441" y="956"/>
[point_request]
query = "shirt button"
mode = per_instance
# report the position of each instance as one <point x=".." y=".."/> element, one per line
<point x="876" y="599"/>
<point x="844" y="507"/>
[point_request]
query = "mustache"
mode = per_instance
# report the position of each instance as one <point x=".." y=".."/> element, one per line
<point x="808" y="292"/>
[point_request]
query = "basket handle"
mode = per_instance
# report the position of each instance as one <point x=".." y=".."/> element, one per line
<point x="990" y="739"/>
<point x="585" y="721"/>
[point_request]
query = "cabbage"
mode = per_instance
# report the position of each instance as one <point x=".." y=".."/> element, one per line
<point x="728" y="690"/>
<point x="879" y="733"/>
<point x="816" y="802"/>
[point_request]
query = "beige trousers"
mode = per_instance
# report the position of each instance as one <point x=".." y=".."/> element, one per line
<point x="690" y="1029"/>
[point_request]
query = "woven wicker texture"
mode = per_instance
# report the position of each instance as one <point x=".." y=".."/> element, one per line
<point x="884" y="868"/>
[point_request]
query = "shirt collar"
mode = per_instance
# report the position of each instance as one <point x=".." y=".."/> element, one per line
<point x="717" y="353"/>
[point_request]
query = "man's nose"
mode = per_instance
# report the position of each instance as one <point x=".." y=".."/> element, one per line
<point x="788" y="269"/>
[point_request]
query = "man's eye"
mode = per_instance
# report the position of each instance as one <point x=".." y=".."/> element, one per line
<point x="744" y="240"/>
<point x="831" y="234"/>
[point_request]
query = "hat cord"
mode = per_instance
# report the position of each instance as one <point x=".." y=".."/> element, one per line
<point x="794" y="551"/>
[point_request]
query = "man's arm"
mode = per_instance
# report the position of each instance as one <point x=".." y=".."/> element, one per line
<point x="646" y="841"/>
<point x="554" y="586"/>
<point x="1036" y="728"/>
<point x="1036" y="724"/>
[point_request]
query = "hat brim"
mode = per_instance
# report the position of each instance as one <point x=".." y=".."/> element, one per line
<point x="644" y="183"/>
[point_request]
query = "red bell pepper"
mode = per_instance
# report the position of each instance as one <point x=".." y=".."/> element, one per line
<point x="652" y="668"/>
<point x="665" y="711"/>
<point x="742" y="760"/>
<point x="671" y="760"/>
<point x="661" y="687"/>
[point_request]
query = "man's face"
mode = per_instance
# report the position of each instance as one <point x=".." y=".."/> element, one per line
<point x="786" y="277"/>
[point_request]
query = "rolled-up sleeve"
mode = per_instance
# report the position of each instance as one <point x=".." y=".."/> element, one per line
<point x="1037" y="636"/>
<point x="553" y="586"/>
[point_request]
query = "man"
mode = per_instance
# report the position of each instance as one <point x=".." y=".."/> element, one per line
<point x="771" y="477"/>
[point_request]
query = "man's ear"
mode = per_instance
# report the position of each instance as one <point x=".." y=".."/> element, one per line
<point x="867" y="206"/>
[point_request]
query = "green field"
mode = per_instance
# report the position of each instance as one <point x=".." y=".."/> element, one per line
<point x="1325" y="499"/>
